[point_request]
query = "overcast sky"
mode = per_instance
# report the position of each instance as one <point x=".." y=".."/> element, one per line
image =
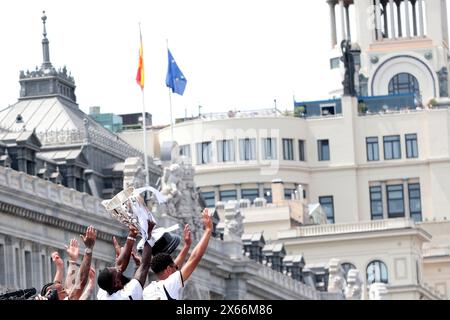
<point x="235" y="54"/>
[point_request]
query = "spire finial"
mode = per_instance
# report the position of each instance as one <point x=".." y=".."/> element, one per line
<point x="45" y="46"/>
<point x="44" y="18"/>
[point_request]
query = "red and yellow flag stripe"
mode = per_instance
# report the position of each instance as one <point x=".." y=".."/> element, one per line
<point x="140" y="72"/>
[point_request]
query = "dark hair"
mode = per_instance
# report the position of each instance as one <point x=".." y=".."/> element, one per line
<point x="105" y="281"/>
<point x="160" y="262"/>
<point x="45" y="288"/>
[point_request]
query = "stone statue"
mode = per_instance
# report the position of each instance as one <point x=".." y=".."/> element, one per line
<point x="234" y="226"/>
<point x="353" y="290"/>
<point x="183" y="201"/>
<point x="336" y="280"/>
<point x="349" y="65"/>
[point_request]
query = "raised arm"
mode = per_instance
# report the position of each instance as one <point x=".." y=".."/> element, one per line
<point x="200" y="248"/>
<point x="83" y="273"/>
<point x="72" y="251"/>
<point x="123" y="258"/>
<point x="142" y="272"/>
<point x="90" y="287"/>
<point x="59" y="263"/>
<point x="187" y="244"/>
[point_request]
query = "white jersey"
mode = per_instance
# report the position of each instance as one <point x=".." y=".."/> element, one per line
<point x="131" y="291"/>
<point x="168" y="289"/>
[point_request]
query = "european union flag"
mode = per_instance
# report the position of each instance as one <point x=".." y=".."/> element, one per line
<point x="175" y="78"/>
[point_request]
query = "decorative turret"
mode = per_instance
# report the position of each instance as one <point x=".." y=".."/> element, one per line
<point x="46" y="81"/>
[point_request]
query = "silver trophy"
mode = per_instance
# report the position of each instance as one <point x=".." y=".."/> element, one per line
<point x="129" y="208"/>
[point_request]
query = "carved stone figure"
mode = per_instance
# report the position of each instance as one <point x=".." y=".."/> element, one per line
<point x="336" y="280"/>
<point x="183" y="200"/>
<point x="353" y="290"/>
<point x="234" y="226"/>
<point x="349" y="65"/>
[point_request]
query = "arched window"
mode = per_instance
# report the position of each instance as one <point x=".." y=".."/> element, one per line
<point x="404" y="83"/>
<point x="347" y="267"/>
<point x="377" y="272"/>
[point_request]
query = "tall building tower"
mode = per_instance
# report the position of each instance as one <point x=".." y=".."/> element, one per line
<point x="400" y="46"/>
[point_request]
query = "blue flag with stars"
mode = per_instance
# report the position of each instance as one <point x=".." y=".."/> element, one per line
<point x="175" y="78"/>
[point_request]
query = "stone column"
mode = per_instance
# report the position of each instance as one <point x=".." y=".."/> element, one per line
<point x="408" y="31"/>
<point x="347" y="19"/>
<point x="261" y="190"/>
<point x="421" y="22"/>
<point x="406" y="199"/>
<point x="384" y="200"/>
<point x="238" y="191"/>
<point x="341" y="5"/>
<point x="216" y="194"/>
<point x="332" y="4"/>
<point x="391" y="12"/>
<point x="378" y="20"/>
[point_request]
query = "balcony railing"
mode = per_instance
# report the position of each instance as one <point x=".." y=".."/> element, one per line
<point x="330" y="229"/>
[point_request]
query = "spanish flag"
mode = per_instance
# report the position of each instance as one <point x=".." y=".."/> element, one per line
<point x="140" y="73"/>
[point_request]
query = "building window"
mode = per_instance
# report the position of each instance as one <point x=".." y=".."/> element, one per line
<point x="185" y="151"/>
<point x="209" y="198"/>
<point x="28" y="270"/>
<point x="269" y="148"/>
<point x="323" y="150"/>
<point x="347" y="267"/>
<point x="335" y="63"/>
<point x="250" y="194"/>
<point x="301" y="150"/>
<point x="288" y="193"/>
<point x="372" y="149"/>
<point x="412" y="150"/>
<point x="204" y="152"/>
<point x="396" y="204"/>
<point x="328" y="110"/>
<point x="328" y="206"/>
<point x="415" y="205"/>
<point x="2" y="266"/>
<point x="404" y="83"/>
<point x="225" y="151"/>
<point x="268" y="195"/>
<point x="288" y="149"/>
<point x="247" y="149"/>
<point x="376" y="203"/>
<point x="377" y="272"/>
<point x="228" y="195"/>
<point x="392" y="149"/>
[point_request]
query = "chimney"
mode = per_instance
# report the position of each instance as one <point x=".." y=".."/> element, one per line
<point x="277" y="192"/>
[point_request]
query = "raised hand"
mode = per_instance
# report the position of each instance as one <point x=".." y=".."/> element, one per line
<point x="57" y="260"/>
<point x="72" y="250"/>
<point x="92" y="274"/>
<point x="137" y="258"/>
<point x="117" y="247"/>
<point x="207" y="219"/>
<point x="187" y="235"/>
<point x="89" y="237"/>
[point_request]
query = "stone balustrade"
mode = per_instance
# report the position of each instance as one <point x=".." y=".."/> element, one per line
<point x="39" y="189"/>
<point x="287" y="283"/>
<point x="330" y="229"/>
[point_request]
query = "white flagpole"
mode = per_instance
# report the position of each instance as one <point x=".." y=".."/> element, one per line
<point x="170" y="99"/>
<point x="144" y="124"/>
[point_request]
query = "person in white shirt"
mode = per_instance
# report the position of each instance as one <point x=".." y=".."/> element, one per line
<point x="170" y="279"/>
<point x="115" y="286"/>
